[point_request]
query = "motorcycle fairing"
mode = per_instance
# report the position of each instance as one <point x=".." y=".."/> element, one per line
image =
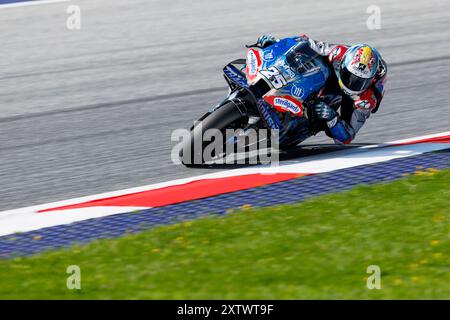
<point x="293" y="70"/>
<point x="234" y="75"/>
<point x="285" y="103"/>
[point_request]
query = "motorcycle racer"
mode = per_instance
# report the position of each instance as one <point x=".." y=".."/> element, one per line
<point x="356" y="86"/>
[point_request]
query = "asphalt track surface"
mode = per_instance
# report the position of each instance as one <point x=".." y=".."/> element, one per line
<point x="92" y="110"/>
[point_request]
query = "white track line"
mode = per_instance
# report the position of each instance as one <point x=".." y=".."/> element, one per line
<point x="30" y="3"/>
<point x="27" y="219"/>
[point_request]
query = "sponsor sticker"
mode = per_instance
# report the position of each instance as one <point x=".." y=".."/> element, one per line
<point x="252" y="63"/>
<point x="290" y="72"/>
<point x="297" y="91"/>
<point x="268" y="55"/>
<point x="287" y="104"/>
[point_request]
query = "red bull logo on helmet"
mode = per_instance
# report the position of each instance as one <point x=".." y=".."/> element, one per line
<point x="363" y="62"/>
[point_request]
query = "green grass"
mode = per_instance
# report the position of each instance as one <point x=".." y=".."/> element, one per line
<point x="318" y="249"/>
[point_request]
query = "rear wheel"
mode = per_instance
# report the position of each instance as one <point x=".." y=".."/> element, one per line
<point x="225" y="117"/>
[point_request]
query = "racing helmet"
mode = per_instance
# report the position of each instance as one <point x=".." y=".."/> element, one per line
<point x="358" y="68"/>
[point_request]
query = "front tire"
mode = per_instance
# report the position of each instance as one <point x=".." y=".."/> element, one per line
<point x="225" y="117"/>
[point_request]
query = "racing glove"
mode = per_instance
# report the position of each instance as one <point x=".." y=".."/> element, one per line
<point x="337" y="128"/>
<point x="324" y="112"/>
<point x="266" y="40"/>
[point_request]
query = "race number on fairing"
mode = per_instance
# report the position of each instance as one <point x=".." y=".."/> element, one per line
<point x="274" y="76"/>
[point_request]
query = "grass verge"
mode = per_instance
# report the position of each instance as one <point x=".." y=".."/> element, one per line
<point x="317" y="249"/>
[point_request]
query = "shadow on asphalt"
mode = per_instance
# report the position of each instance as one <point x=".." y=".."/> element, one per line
<point x="294" y="153"/>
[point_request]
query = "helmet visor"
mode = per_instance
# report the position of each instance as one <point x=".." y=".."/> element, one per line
<point x="353" y="82"/>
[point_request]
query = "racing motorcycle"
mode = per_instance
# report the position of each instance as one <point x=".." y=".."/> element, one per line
<point x="274" y="89"/>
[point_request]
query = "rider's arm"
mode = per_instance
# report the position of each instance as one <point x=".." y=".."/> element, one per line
<point x="343" y="129"/>
<point x="379" y="84"/>
<point x="343" y="132"/>
<point x="322" y="48"/>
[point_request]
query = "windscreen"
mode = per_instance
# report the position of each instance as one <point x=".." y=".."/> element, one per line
<point x="301" y="57"/>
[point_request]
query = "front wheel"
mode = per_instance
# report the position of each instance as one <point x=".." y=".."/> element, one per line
<point x="225" y="117"/>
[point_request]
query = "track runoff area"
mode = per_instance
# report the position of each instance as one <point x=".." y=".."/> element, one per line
<point x="81" y="220"/>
